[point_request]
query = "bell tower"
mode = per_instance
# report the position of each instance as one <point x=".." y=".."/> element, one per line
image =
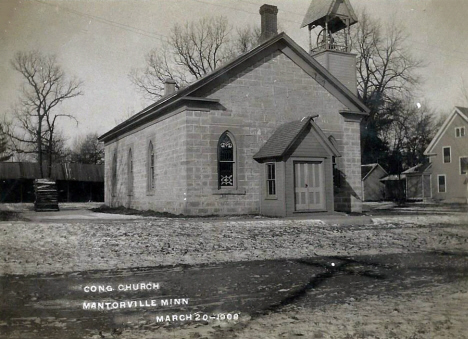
<point x="331" y="20"/>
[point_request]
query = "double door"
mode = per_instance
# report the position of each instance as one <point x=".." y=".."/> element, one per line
<point x="309" y="182"/>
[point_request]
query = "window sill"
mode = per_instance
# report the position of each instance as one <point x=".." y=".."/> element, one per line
<point x="271" y="197"/>
<point x="149" y="193"/>
<point x="228" y="191"/>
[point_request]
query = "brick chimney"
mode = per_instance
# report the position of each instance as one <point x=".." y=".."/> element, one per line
<point x="269" y="22"/>
<point x="169" y="86"/>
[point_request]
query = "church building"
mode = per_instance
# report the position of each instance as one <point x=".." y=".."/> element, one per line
<point x="276" y="131"/>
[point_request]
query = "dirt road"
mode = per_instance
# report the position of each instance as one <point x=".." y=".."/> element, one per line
<point x="51" y="306"/>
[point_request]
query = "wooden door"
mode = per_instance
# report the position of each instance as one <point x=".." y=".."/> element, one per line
<point x="309" y="186"/>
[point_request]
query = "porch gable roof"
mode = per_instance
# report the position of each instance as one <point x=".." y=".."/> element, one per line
<point x="285" y="136"/>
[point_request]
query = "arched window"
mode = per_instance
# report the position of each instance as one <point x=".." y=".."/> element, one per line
<point x="226" y="161"/>
<point x="114" y="175"/>
<point x="130" y="172"/>
<point x="150" y="169"/>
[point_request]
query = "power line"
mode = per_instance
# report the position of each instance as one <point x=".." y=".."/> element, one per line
<point x="238" y="9"/>
<point x="109" y="22"/>
<point x="282" y="10"/>
<point x="163" y="38"/>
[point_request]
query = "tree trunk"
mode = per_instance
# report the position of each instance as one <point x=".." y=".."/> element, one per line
<point x="49" y="151"/>
<point x="39" y="148"/>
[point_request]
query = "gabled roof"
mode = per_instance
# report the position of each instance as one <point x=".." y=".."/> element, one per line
<point x="418" y="169"/>
<point x="285" y="136"/>
<point x="367" y="169"/>
<point x="462" y="112"/>
<point x="320" y="9"/>
<point x="394" y="177"/>
<point x="198" y="89"/>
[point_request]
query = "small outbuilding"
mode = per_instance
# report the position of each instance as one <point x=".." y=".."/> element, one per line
<point x="372" y="188"/>
<point x="395" y="187"/>
<point x="418" y="182"/>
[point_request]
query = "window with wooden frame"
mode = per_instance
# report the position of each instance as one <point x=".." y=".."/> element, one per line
<point x="464" y="165"/>
<point x="447" y="156"/>
<point x="226" y="161"/>
<point x="441" y="183"/>
<point x="271" y="179"/>
<point x="150" y="167"/>
<point x="130" y="172"/>
<point x="459" y="132"/>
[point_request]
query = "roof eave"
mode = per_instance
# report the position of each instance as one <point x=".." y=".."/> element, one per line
<point x="142" y="117"/>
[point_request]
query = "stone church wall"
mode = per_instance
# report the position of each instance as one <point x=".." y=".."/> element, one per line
<point x="258" y="100"/>
<point x="169" y="141"/>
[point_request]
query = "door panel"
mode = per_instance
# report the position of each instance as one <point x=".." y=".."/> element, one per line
<point x="309" y="186"/>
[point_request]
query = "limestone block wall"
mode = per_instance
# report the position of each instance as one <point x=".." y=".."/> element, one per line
<point x="168" y="137"/>
<point x="348" y="197"/>
<point x="271" y="92"/>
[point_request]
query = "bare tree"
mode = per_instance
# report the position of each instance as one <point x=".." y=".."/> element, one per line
<point x="88" y="150"/>
<point x="245" y="39"/>
<point x="386" y="72"/>
<point x="34" y="125"/>
<point x="5" y="153"/>
<point x="411" y="131"/>
<point x="192" y="51"/>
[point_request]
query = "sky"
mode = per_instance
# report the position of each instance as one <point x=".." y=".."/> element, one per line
<point x="100" y="41"/>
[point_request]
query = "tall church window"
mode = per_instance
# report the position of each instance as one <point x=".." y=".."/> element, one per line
<point x="226" y="161"/>
<point x="114" y="175"/>
<point x="130" y="172"/>
<point x="150" y="169"/>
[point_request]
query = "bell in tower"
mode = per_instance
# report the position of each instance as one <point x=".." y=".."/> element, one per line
<point x="333" y="19"/>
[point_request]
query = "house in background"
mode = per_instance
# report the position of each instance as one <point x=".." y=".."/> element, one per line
<point x="264" y="133"/>
<point x="372" y="188"/>
<point x="418" y="182"/>
<point x="448" y="154"/>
